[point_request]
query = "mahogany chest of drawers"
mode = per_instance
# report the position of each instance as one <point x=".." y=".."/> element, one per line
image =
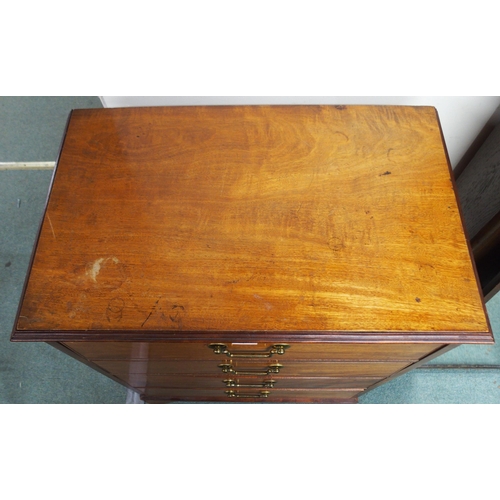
<point x="252" y="253"/>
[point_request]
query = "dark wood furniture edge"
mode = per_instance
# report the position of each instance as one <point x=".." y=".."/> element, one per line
<point x="486" y="248"/>
<point x="250" y="336"/>
<point x="484" y="241"/>
<point x="477" y="143"/>
<point x="493" y="291"/>
<point x="492" y="287"/>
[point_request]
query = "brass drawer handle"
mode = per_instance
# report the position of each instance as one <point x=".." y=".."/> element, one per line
<point x="267" y="384"/>
<point x="275" y="349"/>
<point x="227" y="368"/>
<point x="233" y="394"/>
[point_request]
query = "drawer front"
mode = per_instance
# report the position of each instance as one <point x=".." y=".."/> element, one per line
<point x="251" y="395"/>
<point x="202" y="351"/>
<point x="126" y="370"/>
<point x="192" y="371"/>
<point x="142" y="380"/>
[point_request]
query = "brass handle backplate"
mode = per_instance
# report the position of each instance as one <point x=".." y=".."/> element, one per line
<point x="274" y="368"/>
<point x="261" y="394"/>
<point x="274" y="349"/>
<point x="267" y="384"/>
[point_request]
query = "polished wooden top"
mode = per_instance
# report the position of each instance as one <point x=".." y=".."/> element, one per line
<point x="323" y="222"/>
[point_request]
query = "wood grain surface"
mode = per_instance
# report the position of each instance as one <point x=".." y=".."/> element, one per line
<point x="184" y="220"/>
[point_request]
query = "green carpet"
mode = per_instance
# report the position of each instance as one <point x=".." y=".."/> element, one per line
<point x="31" y="129"/>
